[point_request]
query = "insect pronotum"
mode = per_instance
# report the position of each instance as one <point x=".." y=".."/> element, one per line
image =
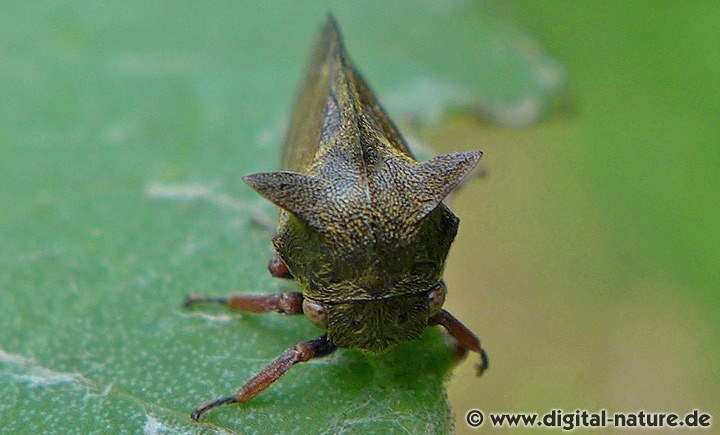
<point x="362" y="228"/>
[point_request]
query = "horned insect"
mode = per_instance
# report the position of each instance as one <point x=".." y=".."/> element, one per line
<point x="362" y="226"/>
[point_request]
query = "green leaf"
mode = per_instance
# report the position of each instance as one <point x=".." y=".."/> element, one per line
<point x="126" y="129"/>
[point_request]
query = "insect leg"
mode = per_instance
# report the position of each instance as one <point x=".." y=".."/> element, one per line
<point x="286" y="303"/>
<point x="463" y="335"/>
<point x="301" y="352"/>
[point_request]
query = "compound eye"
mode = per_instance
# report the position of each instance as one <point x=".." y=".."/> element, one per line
<point x="436" y="298"/>
<point x="316" y="313"/>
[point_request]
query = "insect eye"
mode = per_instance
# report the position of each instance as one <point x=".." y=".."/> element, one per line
<point x="436" y="298"/>
<point x="356" y="324"/>
<point x="315" y="312"/>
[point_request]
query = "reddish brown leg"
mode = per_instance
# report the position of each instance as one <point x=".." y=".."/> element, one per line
<point x="286" y="303"/>
<point x="302" y="352"/>
<point x="463" y="335"/>
<point x="278" y="268"/>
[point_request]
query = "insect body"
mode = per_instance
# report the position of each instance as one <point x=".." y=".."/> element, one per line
<point x="362" y="227"/>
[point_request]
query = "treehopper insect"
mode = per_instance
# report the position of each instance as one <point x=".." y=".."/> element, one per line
<point x="362" y="227"/>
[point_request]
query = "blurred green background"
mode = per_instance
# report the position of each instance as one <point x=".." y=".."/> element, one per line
<point x="587" y="258"/>
<point x="594" y="243"/>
